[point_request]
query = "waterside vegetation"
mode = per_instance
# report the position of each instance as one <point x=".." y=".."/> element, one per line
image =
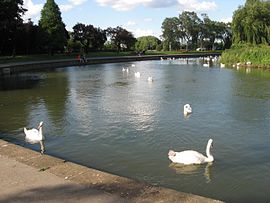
<point x="251" y="35"/>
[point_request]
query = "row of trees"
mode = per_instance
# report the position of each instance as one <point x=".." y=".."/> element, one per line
<point x="50" y="35"/>
<point x="189" y="31"/>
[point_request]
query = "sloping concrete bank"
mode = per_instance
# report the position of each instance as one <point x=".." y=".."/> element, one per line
<point x="28" y="176"/>
<point x="39" y="65"/>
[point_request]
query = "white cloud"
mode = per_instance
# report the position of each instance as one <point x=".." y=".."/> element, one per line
<point x="71" y="5"/>
<point x="77" y="2"/>
<point x="195" y="5"/>
<point x="65" y="7"/>
<point x="125" y="5"/>
<point x="141" y="32"/>
<point x="32" y="9"/>
<point x="131" y="23"/>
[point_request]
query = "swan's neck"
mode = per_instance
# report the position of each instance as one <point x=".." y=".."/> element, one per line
<point x="40" y="133"/>
<point x="210" y="157"/>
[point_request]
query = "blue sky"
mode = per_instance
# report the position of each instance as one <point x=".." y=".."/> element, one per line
<point x="141" y="17"/>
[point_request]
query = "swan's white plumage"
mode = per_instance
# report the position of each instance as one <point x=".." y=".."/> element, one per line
<point x="192" y="157"/>
<point x="34" y="135"/>
<point x="137" y="74"/>
<point x="187" y="109"/>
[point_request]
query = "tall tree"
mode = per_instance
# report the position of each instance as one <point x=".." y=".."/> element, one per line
<point x="190" y="24"/>
<point x="54" y="34"/>
<point x="10" y="20"/>
<point x="171" y="33"/>
<point x="89" y="36"/>
<point x="121" y="38"/>
<point x="251" y="22"/>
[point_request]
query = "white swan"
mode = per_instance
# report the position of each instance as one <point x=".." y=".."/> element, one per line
<point x="35" y="136"/>
<point x="192" y="157"/>
<point x="137" y="74"/>
<point x="222" y="65"/>
<point x="187" y="109"/>
<point x="150" y="79"/>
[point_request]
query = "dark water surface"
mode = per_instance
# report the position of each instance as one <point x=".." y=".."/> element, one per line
<point x="104" y="118"/>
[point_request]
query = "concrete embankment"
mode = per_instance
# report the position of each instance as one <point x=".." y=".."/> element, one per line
<point x="10" y="68"/>
<point x="28" y="176"/>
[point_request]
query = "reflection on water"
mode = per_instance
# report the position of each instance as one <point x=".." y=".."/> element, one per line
<point x="103" y="118"/>
<point x="193" y="169"/>
<point x="19" y="81"/>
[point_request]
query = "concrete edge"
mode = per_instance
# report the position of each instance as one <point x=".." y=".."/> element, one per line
<point x="131" y="190"/>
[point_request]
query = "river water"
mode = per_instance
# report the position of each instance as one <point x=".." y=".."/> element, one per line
<point x="102" y="117"/>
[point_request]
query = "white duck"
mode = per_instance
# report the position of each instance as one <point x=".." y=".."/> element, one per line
<point x="187" y="109"/>
<point x="35" y="136"/>
<point x="192" y="157"/>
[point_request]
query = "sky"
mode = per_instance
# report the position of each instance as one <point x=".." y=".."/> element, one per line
<point x="141" y="17"/>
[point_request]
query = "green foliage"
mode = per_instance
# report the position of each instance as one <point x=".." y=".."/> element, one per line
<point x="171" y="33"/>
<point x="53" y="32"/>
<point x="121" y="38"/>
<point x="242" y="53"/>
<point x="147" y="43"/>
<point x="251" y="23"/>
<point x="190" y="31"/>
<point x="10" y="23"/>
<point x="89" y="37"/>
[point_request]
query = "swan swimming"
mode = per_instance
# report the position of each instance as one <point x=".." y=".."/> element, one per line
<point x="137" y="74"/>
<point x="150" y="79"/>
<point x="35" y="136"/>
<point x="187" y="109"/>
<point x="192" y="157"/>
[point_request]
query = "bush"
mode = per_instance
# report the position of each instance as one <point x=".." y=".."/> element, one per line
<point x="258" y="55"/>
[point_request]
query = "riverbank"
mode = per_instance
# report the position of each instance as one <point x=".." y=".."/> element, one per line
<point x="10" y="68"/>
<point x="28" y="176"/>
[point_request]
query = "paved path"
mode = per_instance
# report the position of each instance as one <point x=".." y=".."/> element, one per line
<point x="27" y="176"/>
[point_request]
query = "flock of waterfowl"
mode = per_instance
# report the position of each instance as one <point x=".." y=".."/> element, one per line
<point x="187" y="157"/>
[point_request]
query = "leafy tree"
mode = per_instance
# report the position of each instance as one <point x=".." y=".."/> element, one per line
<point x="53" y="32"/>
<point x="121" y="38"/>
<point x="147" y="43"/>
<point x="27" y="36"/>
<point x="213" y="31"/>
<point x="251" y="23"/>
<point x="89" y="36"/>
<point x="190" y="25"/>
<point x="171" y="33"/>
<point x="10" y="20"/>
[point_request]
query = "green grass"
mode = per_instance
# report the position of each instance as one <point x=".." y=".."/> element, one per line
<point x="259" y="56"/>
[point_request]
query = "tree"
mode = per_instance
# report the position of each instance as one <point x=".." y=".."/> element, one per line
<point x="10" y="20"/>
<point x="213" y="31"/>
<point x="190" y="25"/>
<point x="171" y="33"/>
<point x="53" y="32"/>
<point x="251" y="23"/>
<point x="89" y="36"/>
<point x="27" y="36"/>
<point x="147" y="43"/>
<point x="121" y="38"/>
